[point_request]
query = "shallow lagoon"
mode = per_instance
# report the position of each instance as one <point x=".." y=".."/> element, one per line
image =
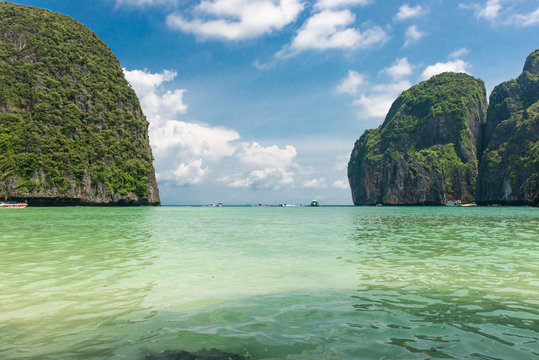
<point x="270" y="283"/>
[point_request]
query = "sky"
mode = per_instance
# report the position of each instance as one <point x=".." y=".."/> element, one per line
<point x="261" y="101"/>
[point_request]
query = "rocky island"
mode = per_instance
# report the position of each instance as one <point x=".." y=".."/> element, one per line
<point x="509" y="166"/>
<point x="440" y="142"/>
<point x="425" y="151"/>
<point x="72" y="131"/>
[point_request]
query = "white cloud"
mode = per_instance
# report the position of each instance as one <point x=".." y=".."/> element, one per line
<point x="186" y="174"/>
<point x="375" y="100"/>
<point x="528" y="19"/>
<point x="156" y="105"/>
<point x="341" y="184"/>
<point x="315" y="184"/>
<point x="351" y="83"/>
<point x="377" y="105"/>
<point x="413" y="35"/>
<point x="392" y="88"/>
<point x="331" y="30"/>
<point x="185" y="152"/>
<point x="332" y="4"/>
<point x="490" y="11"/>
<point x="406" y="12"/>
<point x="143" y="82"/>
<point x="182" y="150"/>
<point x="257" y="155"/>
<point x="458" y="53"/>
<point x="401" y="68"/>
<point x="267" y="178"/>
<point x="440" y="67"/>
<point x="264" y="167"/>
<point x="192" y="140"/>
<point x="237" y="19"/>
<point x="494" y="11"/>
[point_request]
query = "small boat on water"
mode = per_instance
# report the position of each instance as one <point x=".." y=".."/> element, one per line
<point x="315" y="203"/>
<point x="13" y="204"/>
<point x="453" y="203"/>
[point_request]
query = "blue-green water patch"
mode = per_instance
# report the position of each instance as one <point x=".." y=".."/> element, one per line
<point x="270" y="283"/>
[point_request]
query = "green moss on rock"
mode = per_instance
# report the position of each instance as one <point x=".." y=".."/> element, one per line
<point x="71" y="127"/>
<point x="509" y="166"/>
<point x="425" y="151"/>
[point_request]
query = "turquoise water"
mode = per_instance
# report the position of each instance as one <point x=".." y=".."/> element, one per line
<point x="270" y="283"/>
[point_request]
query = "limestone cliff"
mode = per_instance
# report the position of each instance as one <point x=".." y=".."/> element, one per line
<point x="424" y="153"/>
<point x="509" y="166"/>
<point x="71" y="128"/>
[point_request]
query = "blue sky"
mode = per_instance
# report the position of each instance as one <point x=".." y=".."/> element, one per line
<point x="262" y="100"/>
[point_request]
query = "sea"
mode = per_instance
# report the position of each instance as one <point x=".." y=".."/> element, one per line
<point x="269" y="283"/>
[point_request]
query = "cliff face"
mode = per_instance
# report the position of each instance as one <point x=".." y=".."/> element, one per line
<point x="425" y="151"/>
<point x="509" y="167"/>
<point x="71" y="128"/>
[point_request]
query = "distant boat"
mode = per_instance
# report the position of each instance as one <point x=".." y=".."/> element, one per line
<point x="315" y="203"/>
<point x="13" y="204"/>
<point x="453" y="203"/>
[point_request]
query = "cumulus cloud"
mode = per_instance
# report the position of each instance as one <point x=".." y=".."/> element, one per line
<point x="341" y="184"/>
<point x="182" y="150"/>
<point x="494" y="11"/>
<point x="236" y="19"/>
<point x="377" y="103"/>
<point x="264" y="167"/>
<point x="186" y="152"/>
<point x="528" y="19"/>
<point x="315" y="184"/>
<point x="156" y="105"/>
<point x="440" y="67"/>
<point x="374" y="100"/>
<point x="490" y="10"/>
<point x="258" y="155"/>
<point x="267" y="178"/>
<point x="407" y="12"/>
<point x="331" y="29"/>
<point x="143" y="82"/>
<point x="333" y="4"/>
<point x="186" y="173"/>
<point x="458" y="53"/>
<point x="401" y="68"/>
<point x="412" y="35"/>
<point x="351" y="83"/>
<point x="183" y="139"/>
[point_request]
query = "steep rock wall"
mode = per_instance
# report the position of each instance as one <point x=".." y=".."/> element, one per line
<point x="425" y="151"/>
<point x="71" y="128"/>
<point x="509" y="166"/>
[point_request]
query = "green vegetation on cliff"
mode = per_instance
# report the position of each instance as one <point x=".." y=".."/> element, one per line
<point x="509" y="168"/>
<point x="70" y="124"/>
<point x="425" y="151"/>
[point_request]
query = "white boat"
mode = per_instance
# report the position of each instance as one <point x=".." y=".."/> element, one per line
<point x="13" y="205"/>
<point x="453" y="203"/>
